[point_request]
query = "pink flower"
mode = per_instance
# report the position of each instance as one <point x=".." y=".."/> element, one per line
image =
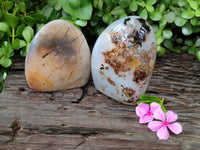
<point x="166" y="122"/>
<point x="146" y="115"/>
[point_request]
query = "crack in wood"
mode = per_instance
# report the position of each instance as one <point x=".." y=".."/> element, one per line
<point x="84" y="93"/>
<point x="15" y="126"/>
<point x="64" y="129"/>
<point x="84" y="138"/>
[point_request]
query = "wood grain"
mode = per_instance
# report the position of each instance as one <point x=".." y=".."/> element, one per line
<point x="83" y="118"/>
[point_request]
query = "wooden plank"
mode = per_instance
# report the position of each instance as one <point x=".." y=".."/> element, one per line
<point x="83" y="118"/>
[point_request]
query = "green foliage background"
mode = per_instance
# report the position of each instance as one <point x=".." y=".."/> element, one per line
<point x="176" y="23"/>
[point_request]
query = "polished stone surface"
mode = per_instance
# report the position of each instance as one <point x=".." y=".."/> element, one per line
<point x="123" y="59"/>
<point x="58" y="58"/>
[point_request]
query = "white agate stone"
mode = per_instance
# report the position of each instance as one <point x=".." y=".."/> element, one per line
<point x="123" y="59"/>
<point x="58" y="58"/>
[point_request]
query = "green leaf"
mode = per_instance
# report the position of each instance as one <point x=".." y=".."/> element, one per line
<point x="75" y="3"/>
<point x="161" y="7"/>
<point x="24" y="51"/>
<point x="8" y="5"/>
<point x="54" y="15"/>
<point x="114" y="1"/>
<point x="99" y="13"/>
<point x="1" y="14"/>
<point x="162" y="22"/>
<point x="184" y="49"/>
<point x="84" y="11"/>
<point x="179" y="40"/>
<point x="123" y="15"/>
<point x="52" y="2"/>
<point x="1" y="35"/>
<point x="1" y="78"/>
<point x="39" y="18"/>
<point x="6" y="62"/>
<point x="179" y="21"/>
<point x="81" y="23"/>
<point x="141" y="3"/>
<point x="107" y="17"/>
<point x="187" y="29"/>
<point x="47" y="10"/>
<point x="5" y="75"/>
<point x="109" y="4"/>
<point x="28" y="34"/>
<point x="58" y="6"/>
<point x="5" y="48"/>
<point x="155" y="16"/>
<point x="22" y="7"/>
<point x="176" y="49"/>
<point x="117" y="11"/>
<point x="93" y="23"/>
<point x="144" y="102"/>
<point x="159" y="39"/>
<point x="188" y="42"/>
<point x="168" y="44"/>
<point x="22" y="43"/>
<point x="161" y="50"/>
<point x="15" y="10"/>
<point x="197" y="13"/>
<point x="99" y="4"/>
<point x="143" y="14"/>
<point x="163" y="108"/>
<point x="4" y="27"/>
<point x="197" y="43"/>
<point x="194" y="21"/>
<point x="167" y="34"/>
<point x="155" y="27"/>
<point x="192" y="50"/>
<point x="198" y="55"/>
<point x="124" y="3"/>
<point x="133" y="6"/>
<point x="151" y="2"/>
<point x="39" y="26"/>
<point x="149" y="98"/>
<point x="20" y="29"/>
<point x="181" y="3"/>
<point x="187" y="14"/>
<point x="193" y="4"/>
<point x="11" y="20"/>
<point x="17" y="44"/>
<point x="158" y="32"/>
<point x="149" y="8"/>
<point x="170" y="17"/>
<point x="30" y="21"/>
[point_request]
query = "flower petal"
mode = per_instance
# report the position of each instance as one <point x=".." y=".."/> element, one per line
<point x="159" y="114"/>
<point x="163" y="133"/>
<point x="146" y="119"/>
<point x="141" y="109"/>
<point x="154" y="106"/>
<point x="171" y="116"/>
<point x="154" y="125"/>
<point x="175" y="127"/>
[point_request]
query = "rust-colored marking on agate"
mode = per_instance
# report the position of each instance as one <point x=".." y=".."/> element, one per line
<point x="111" y="81"/>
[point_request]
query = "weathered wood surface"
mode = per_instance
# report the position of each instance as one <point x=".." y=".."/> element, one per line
<point x="83" y="118"/>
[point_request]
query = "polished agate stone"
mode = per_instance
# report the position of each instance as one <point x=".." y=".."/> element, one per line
<point x="58" y="58"/>
<point x="123" y="59"/>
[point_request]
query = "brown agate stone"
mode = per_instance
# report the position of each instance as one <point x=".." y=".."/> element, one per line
<point x="58" y="58"/>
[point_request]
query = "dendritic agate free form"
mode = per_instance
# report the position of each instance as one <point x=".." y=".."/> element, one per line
<point x="123" y="59"/>
<point x="58" y="58"/>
